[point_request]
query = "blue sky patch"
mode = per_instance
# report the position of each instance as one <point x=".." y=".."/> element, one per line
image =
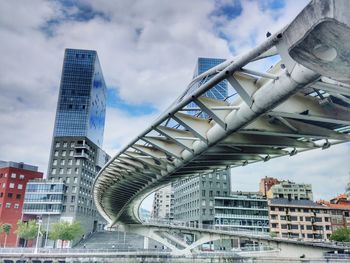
<point x="71" y="11"/>
<point x="114" y="101"/>
<point x="228" y="10"/>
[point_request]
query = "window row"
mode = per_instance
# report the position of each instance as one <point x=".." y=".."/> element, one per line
<point x="13" y="185"/>
<point x="13" y="176"/>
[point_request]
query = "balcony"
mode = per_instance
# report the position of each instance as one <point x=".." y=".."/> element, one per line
<point x="258" y="217"/>
<point x="82" y="146"/>
<point x="81" y="155"/>
<point x="41" y="212"/>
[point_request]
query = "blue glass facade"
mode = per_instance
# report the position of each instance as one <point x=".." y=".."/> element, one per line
<point x="82" y="100"/>
<point x="44" y="197"/>
<point x="219" y="91"/>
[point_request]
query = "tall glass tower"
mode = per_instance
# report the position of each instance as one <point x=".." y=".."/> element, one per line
<point x="76" y="154"/>
<point x="219" y="91"/>
<point x="82" y="100"/>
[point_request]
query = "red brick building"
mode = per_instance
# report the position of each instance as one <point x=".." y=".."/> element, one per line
<point x="13" y="181"/>
<point x="266" y="183"/>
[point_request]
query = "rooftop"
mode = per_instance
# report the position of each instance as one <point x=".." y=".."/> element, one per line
<point x="284" y="201"/>
<point x="19" y="165"/>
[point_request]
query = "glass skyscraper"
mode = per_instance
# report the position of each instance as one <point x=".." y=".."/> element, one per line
<point x="76" y="154"/>
<point x="219" y="91"/>
<point x="82" y="100"/>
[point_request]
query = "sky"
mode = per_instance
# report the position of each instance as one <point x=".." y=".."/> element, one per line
<point x="147" y="50"/>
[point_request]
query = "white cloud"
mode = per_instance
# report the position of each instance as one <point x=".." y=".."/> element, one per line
<point x="122" y="127"/>
<point x="327" y="170"/>
<point x="250" y="28"/>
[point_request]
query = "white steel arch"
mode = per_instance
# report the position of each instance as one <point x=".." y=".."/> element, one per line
<point x="301" y="103"/>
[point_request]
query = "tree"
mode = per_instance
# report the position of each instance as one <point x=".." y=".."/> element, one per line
<point x="6" y="228"/>
<point x="273" y="234"/>
<point x="341" y="234"/>
<point x="65" y="231"/>
<point x="27" y="230"/>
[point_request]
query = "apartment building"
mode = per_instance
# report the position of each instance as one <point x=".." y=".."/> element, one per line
<point x="290" y="190"/>
<point x="299" y="219"/>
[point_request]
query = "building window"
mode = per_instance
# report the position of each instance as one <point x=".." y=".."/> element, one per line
<point x="203" y="211"/>
<point x="56" y="153"/>
<point x="69" y="170"/>
<point x="21" y="176"/>
<point x="8" y="205"/>
<point x="1" y="194"/>
<point x="18" y="196"/>
<point x="70" y="162"/>
<point x="9" y="195"/>
<point x="57" y="144"/>
<point x="65" y="144"/>
<point x="71" y="208"/>
<point x="13" y="175"/>
<point x="53" y="171"/>
<point x="62" y="162"/>
<point x="71" y="153"/>
<point x="75" y="180"/>
<point x="61" y="171"/>
<point x="77" y="161"/>
<point x="20" y="186"/>
<point x="54" y="162"/>
<point x="203" y="193"/>
<point x="64" y="153"/>
<point x="12" y="185"/>
<point x="16" y="206"/>
<point x="72" y="199"/>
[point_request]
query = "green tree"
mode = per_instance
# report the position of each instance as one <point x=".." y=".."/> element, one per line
<point x="27" y="230"/>
<point x="65" y="231"/>
<point x="6" y="228"/>
<point x="341" y="234"/>
<point x="273" y="234"/>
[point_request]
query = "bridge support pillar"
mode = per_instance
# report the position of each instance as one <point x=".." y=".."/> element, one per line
<point x="145" y="242"/>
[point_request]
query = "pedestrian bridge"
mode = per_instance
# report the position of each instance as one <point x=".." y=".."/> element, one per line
<point x="301" y="103"/>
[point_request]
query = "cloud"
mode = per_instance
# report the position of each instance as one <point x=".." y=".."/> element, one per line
<point x="327" y="170"/>
<point x="122" y="127"/>
<point x="255" y="20"/>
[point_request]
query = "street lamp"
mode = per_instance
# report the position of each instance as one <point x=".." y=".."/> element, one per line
<point x="37" y="237"/>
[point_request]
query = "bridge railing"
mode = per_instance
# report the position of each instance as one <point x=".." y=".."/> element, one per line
<point x="20" y="250"/>
<point x="188" y="225"/>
